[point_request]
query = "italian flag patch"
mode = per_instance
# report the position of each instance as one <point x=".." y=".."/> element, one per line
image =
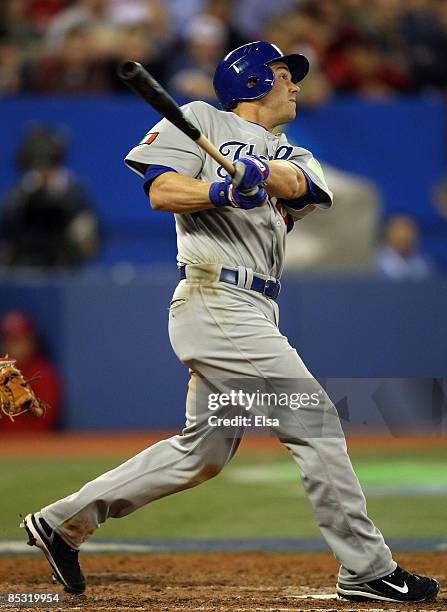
<point x="149" y="138"/>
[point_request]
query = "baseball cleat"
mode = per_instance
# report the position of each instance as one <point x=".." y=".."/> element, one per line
<point x="399" y="586"/>
<point x="62" y="557"/>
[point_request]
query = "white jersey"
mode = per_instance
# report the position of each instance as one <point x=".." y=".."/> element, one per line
<point x="229" y="236"/>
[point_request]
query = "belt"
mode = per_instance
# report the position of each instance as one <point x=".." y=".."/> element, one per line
<point x="269" y="288"/>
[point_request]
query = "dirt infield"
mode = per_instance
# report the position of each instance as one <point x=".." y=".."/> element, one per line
<point x="109" y="443"/>
<point x="232" y="582"/>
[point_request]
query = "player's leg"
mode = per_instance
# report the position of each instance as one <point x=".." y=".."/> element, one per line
<point x="313" y="436"/>
<point x="170" y="466"/>
<point x="177" y="463"/>
<point x="167" y="467"/>
<point x="251" y="345"/>
<point x="311" y="430"/>
<point x="315" y="440"/>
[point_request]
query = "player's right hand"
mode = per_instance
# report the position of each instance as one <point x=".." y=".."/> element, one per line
<point x="226" y="194"/>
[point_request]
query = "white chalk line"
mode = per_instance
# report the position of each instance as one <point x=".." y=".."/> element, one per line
<point x="19" y="547"/>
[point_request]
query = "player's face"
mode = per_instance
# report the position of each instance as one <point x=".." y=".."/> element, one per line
<point x="281" y="100"/>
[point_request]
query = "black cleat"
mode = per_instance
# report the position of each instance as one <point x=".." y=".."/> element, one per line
<point x="399" y="586"/>
<point x="62" y="558"/>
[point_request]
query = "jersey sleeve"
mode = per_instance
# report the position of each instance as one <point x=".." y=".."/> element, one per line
<point x="318" y="191"/>
<point x="166" y="145"/>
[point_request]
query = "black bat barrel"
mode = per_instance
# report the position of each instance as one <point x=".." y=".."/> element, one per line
<point x="138" y="79"/>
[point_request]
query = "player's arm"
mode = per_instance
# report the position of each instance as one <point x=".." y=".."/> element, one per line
<point x="177" y="193"/>
<point x="285" y="180"/>
<point x="288" y="182"/>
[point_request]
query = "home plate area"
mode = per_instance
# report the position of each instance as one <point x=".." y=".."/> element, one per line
<point x="224" y="581"/>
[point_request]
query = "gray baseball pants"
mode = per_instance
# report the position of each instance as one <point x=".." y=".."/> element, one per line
<point x="229" y="338"/>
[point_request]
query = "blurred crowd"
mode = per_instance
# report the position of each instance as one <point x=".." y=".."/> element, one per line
<point x="374" y="48"/>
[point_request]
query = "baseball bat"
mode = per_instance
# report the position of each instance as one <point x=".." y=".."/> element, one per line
<point x="138" y="79"/>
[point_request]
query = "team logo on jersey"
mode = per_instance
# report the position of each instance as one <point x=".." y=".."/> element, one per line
<point x="235" y="149"/>
<point x="149" y="138"/>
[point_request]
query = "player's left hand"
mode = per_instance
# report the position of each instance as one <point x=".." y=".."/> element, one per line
<point x="251" y="171"/>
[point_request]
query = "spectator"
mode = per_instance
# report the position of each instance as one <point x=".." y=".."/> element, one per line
<point x="383" y="24"/>
<point x="90" y="39"/>
<point x="206" y="40"/>
<point x="356" y="64"/>
<point x="41" y="12"/>
<point x="374" y="48"/>
<point x="301" y="31"/>
<point x="16" y="25"/>
<point x="76" y="68"/>
<point x="140" y="34"/>
<point x="223" y="10"/>
<point x="180" y="12"/>
<point x="398" y="256"/>
<point x="12" y="68"/>
<point x="424" y="28"/>
<point x="252" y="17"/>
<point x="19" y="340"/>
<point x="103" y="16"/>
<point x="47" y="221"/>
<point x="84" y="13"/>
<point x="133" y="12"/>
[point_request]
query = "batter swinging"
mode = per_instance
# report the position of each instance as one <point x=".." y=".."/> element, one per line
<point x="223" y="325"/>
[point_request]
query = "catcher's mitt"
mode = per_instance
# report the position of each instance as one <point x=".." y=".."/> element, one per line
<point x="16" y="394"/>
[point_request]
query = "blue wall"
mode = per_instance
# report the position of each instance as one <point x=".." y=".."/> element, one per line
<point x="109" y="337"/>
<point x="401" y="145"/>
<point x="107" y="330"/>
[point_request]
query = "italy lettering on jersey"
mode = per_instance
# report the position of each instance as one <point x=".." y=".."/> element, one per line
<point x="235" y="149"/>
<point x="229" y="236"/>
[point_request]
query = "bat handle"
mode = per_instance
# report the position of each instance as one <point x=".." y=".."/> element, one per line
<point x="203" y="142"/>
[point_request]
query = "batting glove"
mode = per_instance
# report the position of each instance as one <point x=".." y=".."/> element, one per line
<point x="225" y="194"/>
<point x="250" y="172"/>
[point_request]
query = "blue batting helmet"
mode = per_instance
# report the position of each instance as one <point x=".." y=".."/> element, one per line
<point x="245" y="74"/>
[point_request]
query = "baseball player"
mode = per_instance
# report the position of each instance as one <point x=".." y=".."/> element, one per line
<point x="223" y="325"/>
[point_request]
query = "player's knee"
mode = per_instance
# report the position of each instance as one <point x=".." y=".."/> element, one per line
<point x="208" y="471"/>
